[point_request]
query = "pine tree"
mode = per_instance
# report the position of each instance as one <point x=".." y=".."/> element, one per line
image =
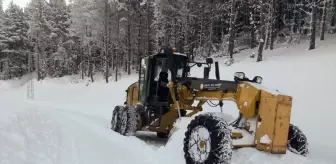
<point x="333" y="17"/>
<point x="1" y="6"/>
<point x="38" y="32"/>
<point x="15" y="37"/>
<point x="262" y="30"/>
<point x="324" y="17"/>
<point x="83" y="26"/>
<point x="313" y="25"/>
<point x="57" y="17"/>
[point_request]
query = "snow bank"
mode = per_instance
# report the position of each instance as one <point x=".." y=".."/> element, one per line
<point x="4" y="86"/>
<point x="173" y="152"/>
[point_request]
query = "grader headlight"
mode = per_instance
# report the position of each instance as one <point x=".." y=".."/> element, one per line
<point x="240" y="75"/>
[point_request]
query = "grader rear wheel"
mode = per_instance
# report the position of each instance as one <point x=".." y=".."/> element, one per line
<point x="208" y="141"/>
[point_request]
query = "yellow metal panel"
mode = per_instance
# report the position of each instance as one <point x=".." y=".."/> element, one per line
<point x="132" y="94"/>
<point x="247" y="95"/>
<point x="135" y="94"/>
<point x="266" y="124"/>
<point x="282" y="124"/>
<point x="166" y="123"/>
<point x="274" y="113"/>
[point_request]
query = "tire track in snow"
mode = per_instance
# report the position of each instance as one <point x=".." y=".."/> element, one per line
<point x="148" y="137"/>
<point x="30" y="137"/>
<point x="88" y="134"/>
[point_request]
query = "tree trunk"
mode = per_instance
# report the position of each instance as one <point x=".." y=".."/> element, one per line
<point x="323" y="22"/>
<point x="139" y="37"/>
<point x="313" y="27"/>
<point x="253" y="39"/>
<point x="117" y="48"/>
<point x="262" y="31"/>
<point x="268" y="35"/>
<point x="90" y="73"/>
<point x="148" y="28"/>
<point x="39" y="46"/>
<point x="333" y="18"/>
<point x="232" y="27"/>
<point x="210" y="41"/>
<point x="106" y="64"/>
<point x="82" y="63"/>
<point x="106" y="37"/>
<point x="116" y="65"/>
<point x="273" y="28"/>
<point x="129" y="44"/>
<point x="38" y="61"/>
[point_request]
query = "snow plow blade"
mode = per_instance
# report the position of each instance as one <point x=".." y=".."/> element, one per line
<point x="273" y="122"/>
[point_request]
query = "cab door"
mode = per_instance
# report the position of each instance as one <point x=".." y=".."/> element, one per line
<point x="144" y="79"/>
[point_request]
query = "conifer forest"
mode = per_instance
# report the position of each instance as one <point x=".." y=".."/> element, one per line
<point x="54" y="38"/>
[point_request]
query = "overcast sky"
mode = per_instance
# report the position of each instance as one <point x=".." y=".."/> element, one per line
<point x="21" y="3"/>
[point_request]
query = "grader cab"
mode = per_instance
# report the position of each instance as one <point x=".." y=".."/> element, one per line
<point x="165" y="92"/>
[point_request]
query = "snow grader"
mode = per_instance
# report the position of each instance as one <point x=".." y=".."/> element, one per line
<point x="165" y="93"/>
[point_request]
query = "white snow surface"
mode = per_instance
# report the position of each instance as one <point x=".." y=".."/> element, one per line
<point x="70" y="122"/>
<point x="265" y="139"/>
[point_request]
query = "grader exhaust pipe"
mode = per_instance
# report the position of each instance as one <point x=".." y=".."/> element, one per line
<point x="206" y="71"/>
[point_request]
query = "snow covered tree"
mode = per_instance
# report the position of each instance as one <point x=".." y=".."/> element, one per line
<point x="262" y="30"/>
<point x="273" y="14"/>
<point x="84" y="26"/>
<point x="313" y="25"/>
<point x="109" y="37"/>
<point x="14" y="36"/>
<point x="58" y="59"/>
<point x="1" y="6"/>
<point x="38" y="33"/>
<point x="333" y="16"/>
<point x="233" y="17"/>
<point x="324" y="17"/>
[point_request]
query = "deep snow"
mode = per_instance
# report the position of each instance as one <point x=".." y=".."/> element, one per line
<point x="69" y="122"/>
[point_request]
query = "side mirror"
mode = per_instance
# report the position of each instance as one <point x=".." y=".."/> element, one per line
<point x="209" y="60"/>
<point x="206" y="72"/>
<point x="258" y="79"/>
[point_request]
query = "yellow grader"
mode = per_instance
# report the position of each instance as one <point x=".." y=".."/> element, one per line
<point x="165" y="92"/>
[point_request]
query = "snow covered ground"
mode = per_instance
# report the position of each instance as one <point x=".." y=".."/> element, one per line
<point x="70" y="122"/>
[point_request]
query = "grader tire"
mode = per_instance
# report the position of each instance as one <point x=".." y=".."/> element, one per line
<point x="297" y="141"/>
<point x="208" y="141"/>
<point x="115" y="121"/>
<point x="128" y="121"/>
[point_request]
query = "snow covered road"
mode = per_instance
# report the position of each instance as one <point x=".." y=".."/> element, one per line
<point x="41" y="134"/>
<point x="37" y="134"/>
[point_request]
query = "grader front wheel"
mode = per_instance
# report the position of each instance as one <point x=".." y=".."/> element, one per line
<point x="128" y="121"/>
<point x="208" y="140"/>
<point x="297" y="141"/>
<point x="115" y="121"/>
